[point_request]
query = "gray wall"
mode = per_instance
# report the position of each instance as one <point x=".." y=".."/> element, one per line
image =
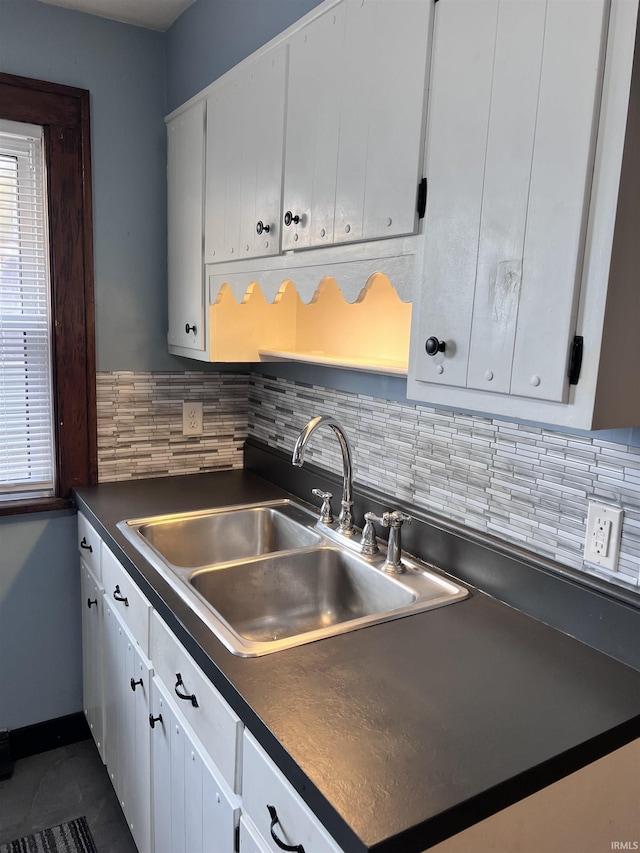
<point x="214" y="35"/>
<point x="40" y="633"/>
<point x="123" y="67"/>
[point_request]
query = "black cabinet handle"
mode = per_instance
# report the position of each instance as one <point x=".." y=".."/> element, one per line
<point x="84" y="544"/>
<point x="91" y="602"/>
<point x="153" y="720"/>
<point x="189" y="328"/>
<point x="291" y="848"/>
<point x="260" y="227"/>
<point x="433" y="346"/>
<point x="119" y="596"/>
<point x="289" y="218"/>
<point x="133" y="683"/>
<point x="190" y="697"/>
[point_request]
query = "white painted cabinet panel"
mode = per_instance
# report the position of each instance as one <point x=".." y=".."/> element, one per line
<point x="513" y="113"/>
<point x="127" y="682"/>
<point x="313" y="130"/>
<point x="194" y="810"/>
<point x="245" y="134"/>
<point x="355" y="124"/>
<point x="185" y="183"/>
<point x="382" y="118"/>
<point x="270" y="802"/>
<point x="561" y="175"/>
<point x="92" y="654"/>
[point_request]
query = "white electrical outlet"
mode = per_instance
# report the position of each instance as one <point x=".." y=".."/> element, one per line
<point x="602" y="542"/>
<point x="191" y="418"/>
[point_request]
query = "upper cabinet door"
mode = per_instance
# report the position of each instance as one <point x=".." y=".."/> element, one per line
<point x="382" y="118"/>
<point x="245" y="135"/>
<point x="313" y="131"/>
<point x="185" y="181"/>
<point x="514" y="105"/>
<point x="355" y="120"/>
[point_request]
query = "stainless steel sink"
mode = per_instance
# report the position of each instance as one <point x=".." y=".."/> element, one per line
<point x="268" y="577"/>
<point x="288" y="594"/>
<point x="217" y="536"/>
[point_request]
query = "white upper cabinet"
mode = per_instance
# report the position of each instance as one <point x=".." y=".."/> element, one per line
<point x="185" y="181"/>
<point x="513" y="113"/>
<point x="245" y="133"/>
<point x="527" y="118"/>
<point x="382" y="118"/>
<point x="354" y="128"/>
<point x="313" y="131"/>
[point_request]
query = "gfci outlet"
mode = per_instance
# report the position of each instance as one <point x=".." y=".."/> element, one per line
<point x="602" y="542"/>
<point x="191" y="418"/>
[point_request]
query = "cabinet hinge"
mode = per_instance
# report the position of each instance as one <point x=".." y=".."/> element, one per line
<point x="422" y="198"/>
<point x="575" y="359"/>
<point x="237" y="842"/>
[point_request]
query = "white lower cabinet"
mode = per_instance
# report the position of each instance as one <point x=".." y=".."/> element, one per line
<point x="128" y="676"/>
<point x="275" y="809"/>
<point x="250" y="841"/>
<point x="194" y="810"/>
<point x="92" y="648"/>
<point x="187" y="775"/>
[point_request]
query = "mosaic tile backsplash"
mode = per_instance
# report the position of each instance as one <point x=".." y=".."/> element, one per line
<point x="140" y="423"/>
<point x="523" y="484"/>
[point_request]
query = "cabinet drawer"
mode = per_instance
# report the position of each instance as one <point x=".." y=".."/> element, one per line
<point x="264" y="785"/>
<point x="89" y="545"/>
<point x="250" y="841"/>
<point x="128" y="601"/>
<point x="212" y="720"/>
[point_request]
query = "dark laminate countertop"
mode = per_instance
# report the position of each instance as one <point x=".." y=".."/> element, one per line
<point x="401" y="734"/>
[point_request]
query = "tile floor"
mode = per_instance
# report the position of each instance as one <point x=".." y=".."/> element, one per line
<point x="60" y="785"/>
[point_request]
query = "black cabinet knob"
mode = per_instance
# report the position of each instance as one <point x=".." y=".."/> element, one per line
<point x="260" y="227"/>
<point x="433" y="346"/>
<point x="153" y="720"/>
<point x="189" y="328"/>
<point x="289" y="218"/>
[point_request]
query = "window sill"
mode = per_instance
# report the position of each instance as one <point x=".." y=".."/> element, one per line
<point x="35" y="505"/>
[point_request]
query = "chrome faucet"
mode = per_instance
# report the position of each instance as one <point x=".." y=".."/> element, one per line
<point x="345" y="519"/>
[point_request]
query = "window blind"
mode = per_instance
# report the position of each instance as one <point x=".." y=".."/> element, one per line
<point x="26" y="411"/>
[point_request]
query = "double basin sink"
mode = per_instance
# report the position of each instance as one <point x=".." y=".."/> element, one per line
<point x="267" y="577"/>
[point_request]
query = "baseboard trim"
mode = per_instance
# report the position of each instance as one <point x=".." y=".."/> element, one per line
<point x="50" y="734"/>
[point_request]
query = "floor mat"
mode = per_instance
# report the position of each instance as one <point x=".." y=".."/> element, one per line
<point x="71" y="837"/>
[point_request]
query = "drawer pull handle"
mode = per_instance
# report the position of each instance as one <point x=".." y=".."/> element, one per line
<point x="133" y="683"/>
<point x="190" y="697"/>
<point x="153" y="720"/>
<point x="119" y="596"/>
<point x="84" y="544"/>
<point x="91" y="602"/>
<point x="292" y="848"/>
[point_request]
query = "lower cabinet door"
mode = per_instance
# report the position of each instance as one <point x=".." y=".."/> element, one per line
<point x="127" y="685"/>
<point x="194" y="810"/>
<point x="92" y="664"/>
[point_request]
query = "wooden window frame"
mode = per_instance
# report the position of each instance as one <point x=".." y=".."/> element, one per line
<point x="63" y="112"/>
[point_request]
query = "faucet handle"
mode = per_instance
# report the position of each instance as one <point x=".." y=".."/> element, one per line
<point x="368" y="543"/>
<point x="394" y="518"/>
<point x="397" y="518"/>
<point x="326" y="515"/>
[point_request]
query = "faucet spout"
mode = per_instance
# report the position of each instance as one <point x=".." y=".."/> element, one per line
<point x="345" y="520"/>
